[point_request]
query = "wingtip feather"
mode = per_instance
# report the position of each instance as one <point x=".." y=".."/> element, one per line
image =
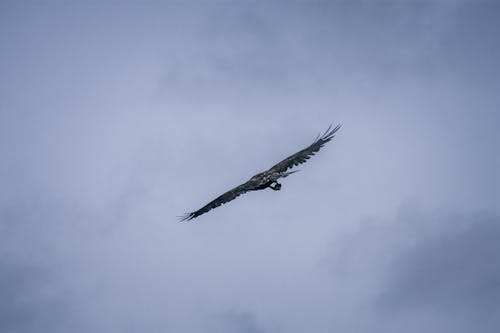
<point x="330" y="132"/>
<point x="186" y="217"/>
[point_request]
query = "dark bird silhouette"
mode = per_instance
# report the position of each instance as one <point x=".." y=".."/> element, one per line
<point x="270" y="177"/>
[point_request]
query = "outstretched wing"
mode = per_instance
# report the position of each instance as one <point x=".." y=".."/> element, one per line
<point x="222" y="199"/>
<point x="306" y="153"/>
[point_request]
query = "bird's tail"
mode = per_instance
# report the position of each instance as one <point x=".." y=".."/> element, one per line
<point x="286" y="174"/>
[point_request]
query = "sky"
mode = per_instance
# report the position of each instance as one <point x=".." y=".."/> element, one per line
<point x="118" y="116"/>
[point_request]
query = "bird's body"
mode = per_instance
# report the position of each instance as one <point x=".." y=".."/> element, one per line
<point x="269" y="178"/>
<point x="266" y="179"/>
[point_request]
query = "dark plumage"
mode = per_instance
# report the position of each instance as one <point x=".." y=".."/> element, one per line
<point x="270" y="177"/>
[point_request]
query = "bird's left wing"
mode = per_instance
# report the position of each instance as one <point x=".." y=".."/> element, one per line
<point x="222" y="199"/>
<point x="306" y="153"/>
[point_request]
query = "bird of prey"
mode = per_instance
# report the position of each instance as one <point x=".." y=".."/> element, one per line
<point x="269" y="178"/>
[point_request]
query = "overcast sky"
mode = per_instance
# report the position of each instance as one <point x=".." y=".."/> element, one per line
<point x="116" y="117"/>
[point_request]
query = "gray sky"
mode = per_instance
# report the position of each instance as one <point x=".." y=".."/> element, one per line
<point x="117" y="117"/>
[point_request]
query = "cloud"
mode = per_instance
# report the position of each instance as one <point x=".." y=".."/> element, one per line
<point x="452" y="277"/>
<point x="30" y="299"/>
<point x="117" y="118"/>
<point x="423" y="271"/>
<point x="33" y="294"/>
<point x="237" y="322"/>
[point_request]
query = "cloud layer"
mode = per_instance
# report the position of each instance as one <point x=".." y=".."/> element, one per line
<point x="116" y="118"/>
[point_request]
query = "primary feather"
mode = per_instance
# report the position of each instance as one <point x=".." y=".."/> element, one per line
<point x="306" y="153"/>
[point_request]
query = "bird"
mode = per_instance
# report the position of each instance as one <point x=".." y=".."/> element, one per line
<point x="269" y="178"/>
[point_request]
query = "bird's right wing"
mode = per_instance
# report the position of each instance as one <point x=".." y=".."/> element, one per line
<point x="222" y="199"/>
<point x="306" y="153"/>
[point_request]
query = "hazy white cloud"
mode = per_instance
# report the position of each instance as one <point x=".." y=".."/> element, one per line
<point x="115" y="118"/>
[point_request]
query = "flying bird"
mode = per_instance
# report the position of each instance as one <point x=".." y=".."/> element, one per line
<point x="269" y="178"/>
